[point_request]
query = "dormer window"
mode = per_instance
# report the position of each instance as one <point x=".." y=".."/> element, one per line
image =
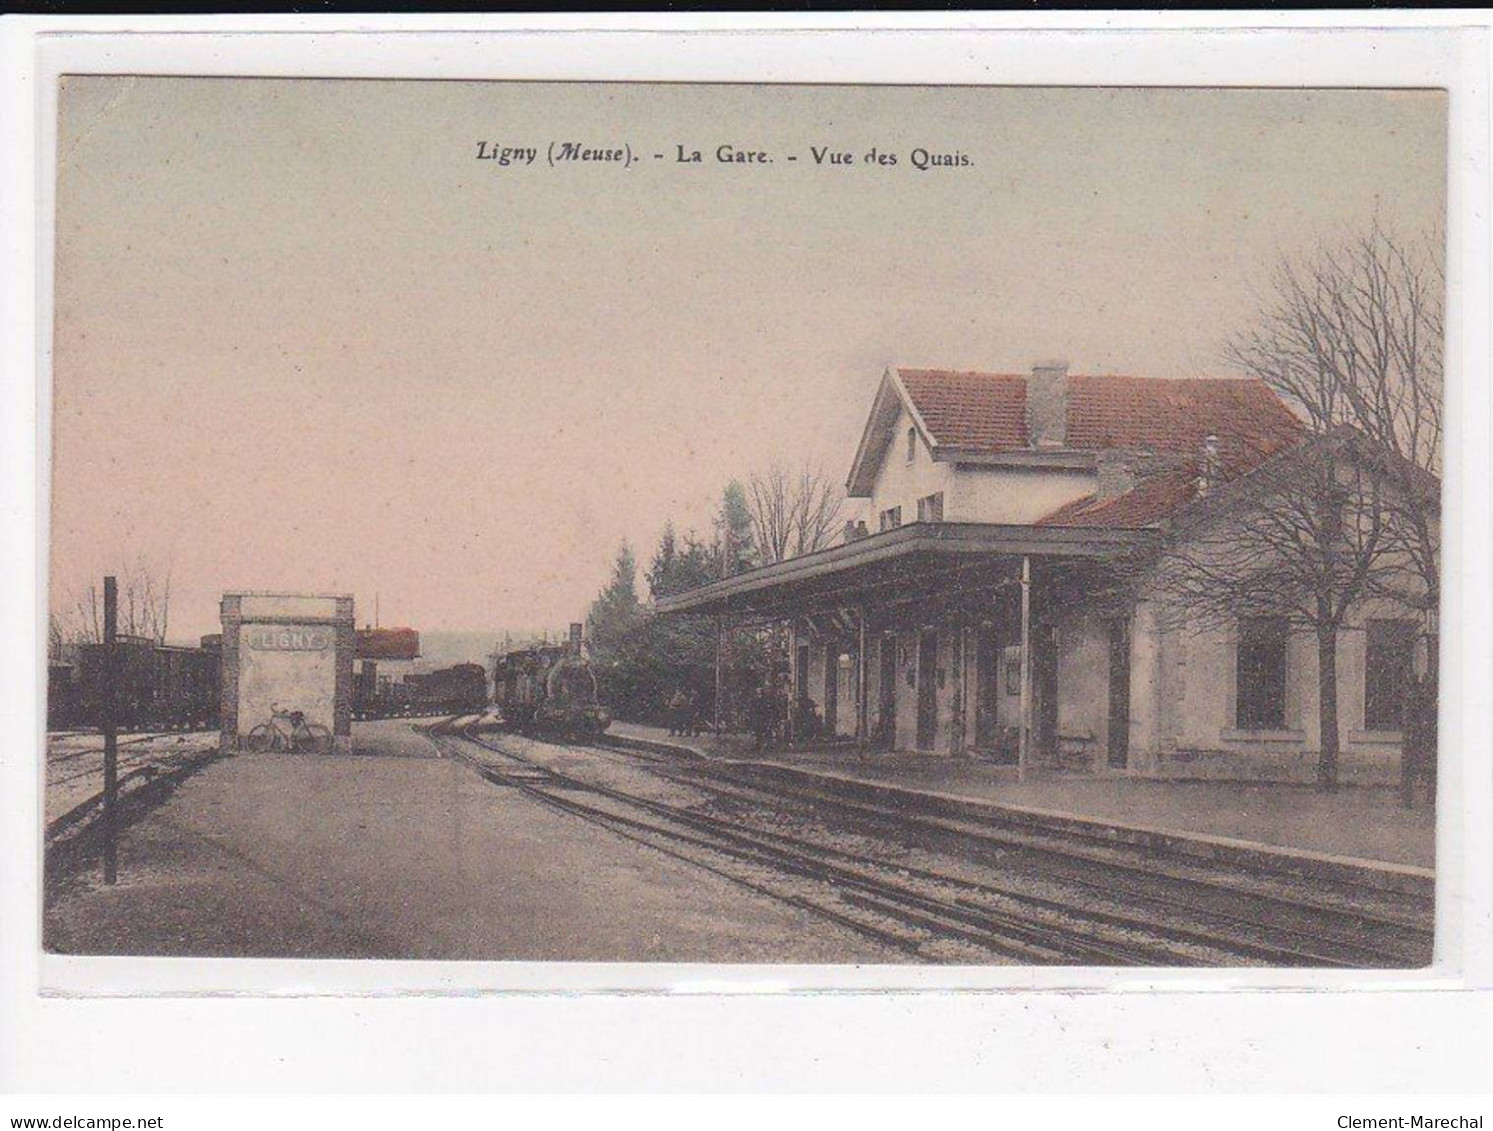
<point x="912" y="444"/>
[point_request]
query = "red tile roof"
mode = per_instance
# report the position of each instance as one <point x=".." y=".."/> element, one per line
<point x="987" y="412"/>
<point x="1145" y="504"/>
<point x="387" y="644"/>
<point x="1250" y="421"/>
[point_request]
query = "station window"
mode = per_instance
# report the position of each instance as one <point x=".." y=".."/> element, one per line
<point x="1261" y="700"/>
<point x="912" y="444"/>
<point x="930" y="508"/>
<point x="1387" y="670"/>
<point x="891" y="518"/>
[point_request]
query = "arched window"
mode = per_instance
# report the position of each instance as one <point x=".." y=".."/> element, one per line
<point x="912" y="444"/>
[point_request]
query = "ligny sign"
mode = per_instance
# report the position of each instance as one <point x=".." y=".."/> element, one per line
<point x="289" y="639"/>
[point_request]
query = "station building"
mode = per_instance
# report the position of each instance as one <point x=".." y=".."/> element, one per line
<point x="976" y="610"/>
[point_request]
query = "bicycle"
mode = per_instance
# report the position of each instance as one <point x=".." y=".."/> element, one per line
<point x="288" y="732"/>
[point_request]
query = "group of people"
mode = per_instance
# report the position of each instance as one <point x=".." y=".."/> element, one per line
<point x="767" y="714"/>
<point x="686" y="713"/>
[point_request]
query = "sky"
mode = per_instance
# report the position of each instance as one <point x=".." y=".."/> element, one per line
<point x="306" y="339"/>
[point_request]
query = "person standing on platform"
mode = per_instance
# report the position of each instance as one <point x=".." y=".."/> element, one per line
<point x="677" y="709"/>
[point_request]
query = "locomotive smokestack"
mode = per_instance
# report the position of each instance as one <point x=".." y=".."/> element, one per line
<point x="575" y="639"/>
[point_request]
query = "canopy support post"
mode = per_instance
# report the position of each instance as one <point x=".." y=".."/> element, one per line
<point x="1024" y="755"/>
<point x="860" y="681"/>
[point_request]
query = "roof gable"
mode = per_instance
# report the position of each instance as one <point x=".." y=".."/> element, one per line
<point x="891" y="400"/>
<point x="981" y="411"/>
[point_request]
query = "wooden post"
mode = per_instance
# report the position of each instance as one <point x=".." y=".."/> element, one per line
<point x="720" y="678"/>
<point x="961" y="690"/>
<point x="1024" y="749"/>
<point x="111" y="730"/>
<point x="720" y="629"/>
<point x="793" y="678"/>
<point x="861" y="730"/>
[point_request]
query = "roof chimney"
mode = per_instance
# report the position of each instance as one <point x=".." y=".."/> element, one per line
<point x="1208" y="467"/>
<point x="575" y="638"/>
<point x="1115" y="475"/>
<point x="1047" y="405"/>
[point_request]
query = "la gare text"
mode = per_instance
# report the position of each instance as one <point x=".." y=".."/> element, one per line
<point x="823" y="156"/>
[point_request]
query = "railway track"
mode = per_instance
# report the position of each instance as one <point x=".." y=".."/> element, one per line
<point x="924" y="911"/>
<point x="138" y="765"/>
<point x="127" y="759"/>
<point x="1233" y="897"/>
<point x="893" y="913"/>
<point x="98" y="751"/>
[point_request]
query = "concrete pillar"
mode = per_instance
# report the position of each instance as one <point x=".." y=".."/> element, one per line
<point x="1145" y="688"/>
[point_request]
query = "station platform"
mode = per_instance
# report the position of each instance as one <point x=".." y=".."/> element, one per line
<point x="1357" y="823"/>
<point x="400" y="853"/>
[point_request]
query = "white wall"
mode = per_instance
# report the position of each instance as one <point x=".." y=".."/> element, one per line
<point x="286" y="681"/>
<point x="848" y="695"/>
<point x="972" y="493"/>
<point x="283" y="665"/>
<point x="1012" y="494"/>
<point x="1184" y="690"/>
<point x="1083" y="686"/>
<point x="899" y="483"/>
<point x="1184" y="684"/>
<point x="847" y="703"/>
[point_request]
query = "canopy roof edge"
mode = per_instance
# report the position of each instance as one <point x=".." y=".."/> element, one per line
<point x="908" y="544"/>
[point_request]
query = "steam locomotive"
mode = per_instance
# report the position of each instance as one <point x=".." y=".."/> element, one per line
<point x="550" y="687"/>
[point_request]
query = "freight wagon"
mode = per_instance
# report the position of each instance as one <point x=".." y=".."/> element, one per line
<point x="155" y="687"/>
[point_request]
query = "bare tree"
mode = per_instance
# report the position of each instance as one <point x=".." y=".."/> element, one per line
<point x="794" y="512"/>
<point x="1355" y="336"/>
<point x="1300" y="541"/>
<point x="1352" y="338"/>
<point x="144" y="604"/>
<point x="56" y="638"/>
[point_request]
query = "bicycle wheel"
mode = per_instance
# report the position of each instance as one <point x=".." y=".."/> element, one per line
<point x="260" y="739"/>
<point x="313" y="738"/>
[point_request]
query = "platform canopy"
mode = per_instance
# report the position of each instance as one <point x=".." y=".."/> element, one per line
<point x="908" y="563"/>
